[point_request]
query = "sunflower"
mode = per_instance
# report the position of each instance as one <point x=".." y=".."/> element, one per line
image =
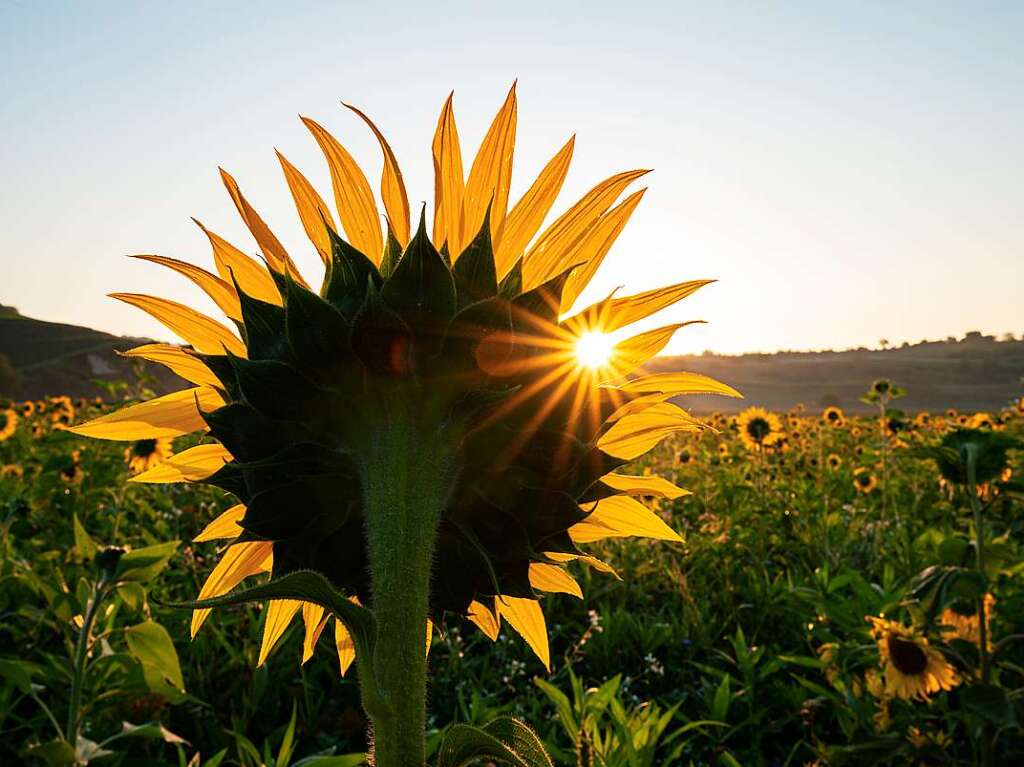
<point x="911" y="667"/>
<point x="27" y="408"/>
<point x="723" y="450"/>
<point x="1019" y="406"/>
<point x="758" y="428"/>
<point x="71" y="474"/>
<point x="8" y="424"/>
<point x="62" y="419"/>
<point x="923" y="420"/>
<point x="864" y="480"/>
<point x="144" y="454"/>
<point x="833" y="461"/>
<point x="981" y="421"/>
<point x="683" y="457"/>
<point x="833" y="416"/>
<point x="12" y="470"/>
<point x="425" y="431"/>
<point x="956" y="625"/>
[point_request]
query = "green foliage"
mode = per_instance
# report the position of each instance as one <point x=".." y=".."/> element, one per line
<point x="747" y="645"/>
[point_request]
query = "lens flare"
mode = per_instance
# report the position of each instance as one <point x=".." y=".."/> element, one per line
<point x="594" y="349"/>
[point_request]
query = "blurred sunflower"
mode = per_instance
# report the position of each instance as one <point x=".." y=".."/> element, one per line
<point x="911" y="667"/>
<point x="27" y="408"/>
<point x="12" y="470"/>
<point x="61" y="419"/>
<point x="144" y="454"/>
<point x="957" y="625"/>
<point x="833" y="416"/>
<point x="1019" y="406"/>
<point x="923" y="420"/>
<point x="71" y="473"/>
<point x="427" y="430"/>
<point x="981" y="421"/>
<point x="833" y="461"/>
<point x="8" y="424"/>
<point x="684" y="457"/>
<point x="758" y="428"/>
<point x="864" y="480"/>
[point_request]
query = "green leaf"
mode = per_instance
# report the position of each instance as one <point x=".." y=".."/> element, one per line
<point x="310" y="586"/>
<point x="151" y="645"/>
<point x="56" y="753"/>
<point x="151" y="730"/>
<point x="142" y="564"/>
<point x="284" y="753"/>
<point x="133" y="595"/>
<point x="86" y="546"/>
<point x="953" y="551"/>
<point x="991" y="703"/>
<point x="19" y="672"/>
<point x="562" y="706"/>
<point x="720" y="703"/>
<point x="504" y="740"/>
<point x="342" y="760"/>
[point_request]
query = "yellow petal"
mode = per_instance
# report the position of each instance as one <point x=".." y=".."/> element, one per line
<point x="554" y="250"/>
<point x="593" y="562"/>
<point x="171" y="415"/>
<point x="488" y="622"/>
<point x="491" y="173"/>
<point x="618" y="517"/>
<point x="277" y="257"/>
<point x="345" y="646"/>
<point x="224" y="526"/>
<point x="449" y="184"/>
<point x="430" y="635"/>
<point x="252" y="277"/>
<point x="219" y="291"/>
<point x="314" y="619"/>
<point x="207" y="335"/>
<point x="674" y="384"/>
<point x="239" y="562"/>
<point x="392" y="186"/>
<point x="545" y="577"/>
<point x="313" y="213"/>
<point x="529" y="213"/>
<point x="652" y="485"/>
<point x="633" y="435"/>
<point x="595" y="246"/>
<point x="178" y="361"/>
<point x="353" y="197"/>
<point x="526" y="617"/>
<point x="191" y="465"/>
<point x="618" y="312"/>
<point x="279" y="615"/>
<point x="633" y="352"/>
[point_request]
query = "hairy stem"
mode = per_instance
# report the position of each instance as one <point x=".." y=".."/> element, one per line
<point x="408" y="474"/>
<point x="81" y="656"/>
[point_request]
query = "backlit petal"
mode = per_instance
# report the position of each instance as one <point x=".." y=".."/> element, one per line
<point x="252" y="277"/>
<point x="545" y="577"/>
<point x="313" y="213"/>
<point x="652" y="485"/>
<point x="178" y="361"/>
<point x="224" y="526"/>
<point x="633" y="435"/>
<point x="222" y="293"/>
<point x="392" y="186"/>
<point x="526" y="617"/>
<point x="207" y="335"/>
<point x="491" y="173"/>
<point x="239" y="562"/>
<point x="620" y="516"/>
<point x="190" y="465"/>
<point x="449" y="182"/>
<point x="171" y="415"/>
<point x="280" y="613"/>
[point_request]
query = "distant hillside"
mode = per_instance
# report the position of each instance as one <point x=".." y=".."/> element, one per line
<point x="976" y="373"/>
<point x="52" y="358"/>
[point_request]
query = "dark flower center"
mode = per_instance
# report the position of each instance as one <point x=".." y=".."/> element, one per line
<point x="907" y="657"/>
<point x="144" y="448"/>
<point x="758" y="428"/>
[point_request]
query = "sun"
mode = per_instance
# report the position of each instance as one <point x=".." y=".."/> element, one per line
<point x="594" y="349"/>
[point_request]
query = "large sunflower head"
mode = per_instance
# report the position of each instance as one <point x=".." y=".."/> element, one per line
<point x="913" y="669"/>
<point x="447" y="360"/>
<point x="8" y="423"/>
<point x="758" y="428"/>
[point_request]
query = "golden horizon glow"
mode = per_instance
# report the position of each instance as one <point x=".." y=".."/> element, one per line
<point x="594" y="349"/>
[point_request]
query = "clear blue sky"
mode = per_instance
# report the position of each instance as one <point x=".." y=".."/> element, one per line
<point x="847" y="171"/>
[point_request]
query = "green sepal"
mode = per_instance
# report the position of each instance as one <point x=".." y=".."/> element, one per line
<point x="475" y="278"/>
<point x="275" y="389"/>
<point x="504" y="740"/>
<point x="345" y="281"/>
<point x="317" y="332"/>
<point x="311" y="586"/>
<point x="392" y="253"/>
<point x="421" y="284"/>
<point x="511" y="284"/>
<point x="380" y="338"/>
<point x="263" y="325"/>
<point x="542" y="302"/>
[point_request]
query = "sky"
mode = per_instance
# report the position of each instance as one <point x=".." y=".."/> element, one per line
<point x="846" y="172"/>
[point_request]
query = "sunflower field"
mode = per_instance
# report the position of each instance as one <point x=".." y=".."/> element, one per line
<point x="847" y="591"/>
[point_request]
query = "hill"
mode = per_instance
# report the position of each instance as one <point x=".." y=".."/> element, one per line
<point x="971" y="374"/>
<point x="53" y="358"/>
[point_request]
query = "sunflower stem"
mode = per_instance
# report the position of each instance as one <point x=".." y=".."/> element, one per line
<point x="970" y="458"/>
<point x="407" y="480"/>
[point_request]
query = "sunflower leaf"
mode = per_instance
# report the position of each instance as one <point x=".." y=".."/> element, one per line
<point x="504" y="740"/>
